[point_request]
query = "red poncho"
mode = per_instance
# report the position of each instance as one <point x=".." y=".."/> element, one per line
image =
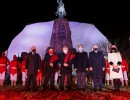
<point x="54" y="58"/>
<point x="124" y="65"/>
<point x="3" y="63"/>
<point x="13" y="67"/>
<point x="69" y="57"/>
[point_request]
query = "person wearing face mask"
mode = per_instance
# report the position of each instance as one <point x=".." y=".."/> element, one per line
<point x="66" y="60"/>
<point x="51" y="61"/>
<point x="114" y="59"/>
<point x="32" y="67"/>
<point x="97" y="66"/>
<point x="81" y="66"/>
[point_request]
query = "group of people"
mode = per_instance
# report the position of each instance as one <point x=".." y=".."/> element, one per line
<point x="47" y="72"/>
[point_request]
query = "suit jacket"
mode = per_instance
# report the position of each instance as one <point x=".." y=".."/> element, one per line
<point x="81" y="62"/>
<point x="32" y="63"/>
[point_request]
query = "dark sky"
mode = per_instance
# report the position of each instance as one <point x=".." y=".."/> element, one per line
<point x="112" y="19"/>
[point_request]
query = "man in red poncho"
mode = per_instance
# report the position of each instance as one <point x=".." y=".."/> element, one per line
<point x="125" y="69"/>
<point x="66" y="60"/>
<point x="14" y="64"/>
<point x="4" y="61"/>
<point x="51" y="61"/>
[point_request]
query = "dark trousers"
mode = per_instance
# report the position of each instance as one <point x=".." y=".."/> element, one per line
<point x="117" y="84"/>
<point x="68" y="81"/>
<point x="81" y="80"/>
<point x="49" y="76"/>
<point x="97" y="82"/>
<point x="31" y="78"/>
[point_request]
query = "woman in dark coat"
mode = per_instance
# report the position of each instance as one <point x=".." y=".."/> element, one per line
<point x="97" y="66"/>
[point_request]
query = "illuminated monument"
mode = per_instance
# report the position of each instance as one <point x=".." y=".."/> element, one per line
<point x="56" y="34"/>
<point x="61" y="34"/>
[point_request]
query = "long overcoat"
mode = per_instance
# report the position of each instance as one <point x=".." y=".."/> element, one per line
<point x="97" y="62"/>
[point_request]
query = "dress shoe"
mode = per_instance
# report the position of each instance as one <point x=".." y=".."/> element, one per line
<point x="94" y="89"/>
<point x="100" y="89"/>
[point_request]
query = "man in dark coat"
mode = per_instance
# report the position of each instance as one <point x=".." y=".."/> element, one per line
<point x="66" y="61"/>
<point x="32" y="66"/>
<point x="51" y="61"/>
<point x="97" y="66"/>
<point x="81" y="66"/>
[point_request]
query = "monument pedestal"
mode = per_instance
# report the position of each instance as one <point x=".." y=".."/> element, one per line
<point x="61" y="35"/>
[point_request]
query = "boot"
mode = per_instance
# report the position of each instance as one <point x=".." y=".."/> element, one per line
<point x="2" y="82"/>
<point x="122" y="82"/>
<point x="55" y="82"/>
<point x="107" y="82"/>
<point x="23" y="83"/>
<point x="12" y="83"/>
<point x="126" y="82"/>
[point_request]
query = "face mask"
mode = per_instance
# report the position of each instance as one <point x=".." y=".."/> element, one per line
<point x="95" y="49"/>
<point x="80" y="49"/>
<point x="113" y="49"/>
<point x="65" y="51"/>
<point x="51" y="52"/>
<point x="33" y="50"/>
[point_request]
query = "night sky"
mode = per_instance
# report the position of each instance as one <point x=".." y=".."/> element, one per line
<point x="112" y="19"/>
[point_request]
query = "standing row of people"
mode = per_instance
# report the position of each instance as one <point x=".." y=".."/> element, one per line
<point x="32" y="68"/>
<point x="13" y="68"/>
<point x="95" y="62"/>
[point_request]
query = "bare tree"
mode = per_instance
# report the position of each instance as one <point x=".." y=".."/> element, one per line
<point x="104" y="46"/>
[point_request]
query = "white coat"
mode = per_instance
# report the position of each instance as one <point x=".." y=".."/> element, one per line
<point x="115" y="58"/>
